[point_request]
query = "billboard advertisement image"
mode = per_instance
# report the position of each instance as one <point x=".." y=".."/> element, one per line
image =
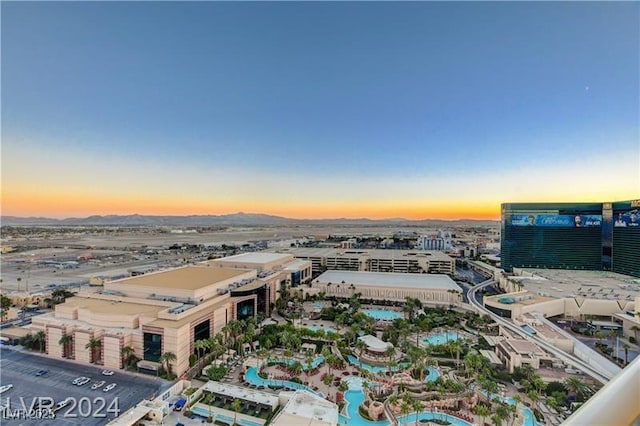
<point x="557" y="220"/>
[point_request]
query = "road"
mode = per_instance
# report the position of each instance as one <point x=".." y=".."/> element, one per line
<point x="565" y="357"/>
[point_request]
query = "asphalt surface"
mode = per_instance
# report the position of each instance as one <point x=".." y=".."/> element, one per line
<point x="88" y="407"/>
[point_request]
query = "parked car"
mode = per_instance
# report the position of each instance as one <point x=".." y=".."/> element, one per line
<point x="62" y="404"/>
<point x="5" y="388"/>
<point x="109" y="387"/>
<point x="83" y="381"/>
<point x="98" y="385"/>
<point x="78" y="379"/>
<point x="41" y="372"/>
<point x="107" y="373"/>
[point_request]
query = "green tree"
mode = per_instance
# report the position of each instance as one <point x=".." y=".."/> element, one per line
<point x="390" y="352"/>
<point x="128" y="356"/>
<point x="5" y="304"/>
<point x="40" y="337"/>
<point x="575" y="386"/>
<point x="167" y="358"/>
<point x="236" y="407"/>
<point x="200" y="346"/>
<point x="66" y="341"/>
<point x="94" y="346"/>
<point x="482" y="411"/>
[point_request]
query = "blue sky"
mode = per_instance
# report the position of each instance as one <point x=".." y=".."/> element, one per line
<point x="367" y="104"/>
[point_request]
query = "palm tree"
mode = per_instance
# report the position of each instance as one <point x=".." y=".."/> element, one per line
<point x="128" y="354"/>
<point x="575" y="385"/>
<point x="390" y="352"/>
<point x="503" y="412"/>
<point x="482" y="411"/>
<point x="94" y="346"/>
<point x="236" y="407"/>
<point x="199" y="346"/>
<point x="417" y="406"/>
<point x="66" y="341"/>
<point x="534" y="396"/>
<point x="41" y="338"/>
<point x="496" y="420"/>
<point x="167" y="358"/>
<point x="635" y="330"/>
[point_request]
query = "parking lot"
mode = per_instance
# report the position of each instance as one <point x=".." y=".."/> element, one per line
<point x="87" y="407"/>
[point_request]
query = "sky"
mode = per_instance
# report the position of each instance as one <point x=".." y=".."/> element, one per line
<point x="317" y="110"/>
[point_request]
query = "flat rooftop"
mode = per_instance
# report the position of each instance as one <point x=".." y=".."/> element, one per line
<point x="522" y="347"/>
<point x="305" y="408"/>
<point x="370" y="253"/>
<point x="389" y="279"/>
<point x="186" y="277"/>
<point x="104" y="306"/>
<point x="240" y="392"/>
<point x="589" y="284"/>
<point x="255" y="257"/>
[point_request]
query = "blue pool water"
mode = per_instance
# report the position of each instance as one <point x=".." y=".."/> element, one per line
<point x="200" y="410"/>
<point x="316" y="328"/>
<point x="433" y="373"/>
<point x="252" y="377"/>
<point x="528" y="329"/>
<point x="382" y="314"/>
<point x="440" y="339"/>
<point x="318" y="305"/>
<point x="352" y="418"/>
<point x="315" y="363"/>
<point x="529" y="417"/>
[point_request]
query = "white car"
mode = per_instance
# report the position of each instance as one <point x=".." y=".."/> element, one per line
<point x="107" y="373"/>
<point x="98" y="385"/>
<point x="77" y="380"/>
<point x="109" y="387"/>
<point x="5" y="388"/>
<point x="62" y="404"/>
<point x="83" y="381"/>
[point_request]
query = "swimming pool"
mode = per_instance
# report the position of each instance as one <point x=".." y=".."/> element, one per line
<point x="528" y="329"/>
<point x="529" y="417"/>
<point x="252" y="377"/>
<point x="202" y="411"/>
<point x="314" y="364"/>
<point x="440" y="339"/>
<point x="316" y="328"/>
<point x="382" y="314"/>
<point x="376" y="369"/>
<point x="352" y="417"/>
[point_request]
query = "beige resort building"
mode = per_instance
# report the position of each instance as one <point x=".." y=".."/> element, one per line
<point x="428" y="288"/>
<point x="167" y="311"/>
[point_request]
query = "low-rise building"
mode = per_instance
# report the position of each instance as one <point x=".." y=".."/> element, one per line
<point x="166" y="311"/>
<point x="375" y="260"/>
<point x="305" y="408"/>
<point x="428" y="288"/>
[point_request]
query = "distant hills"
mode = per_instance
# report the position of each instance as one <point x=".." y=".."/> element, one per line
<point x="235" y="219"/>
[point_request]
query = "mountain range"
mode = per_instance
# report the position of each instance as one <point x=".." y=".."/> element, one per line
<point x="235" y="219"/>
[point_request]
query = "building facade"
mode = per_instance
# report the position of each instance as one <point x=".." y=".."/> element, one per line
<point x="374" y="260"/>
<point x="165" y="311"/>
<point x="589" y="236"/>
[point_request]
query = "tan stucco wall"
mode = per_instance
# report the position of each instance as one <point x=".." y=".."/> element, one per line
<point x="53" y="337"/>
<point x="80" y="340"/>
<point x="111" y="352"/>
